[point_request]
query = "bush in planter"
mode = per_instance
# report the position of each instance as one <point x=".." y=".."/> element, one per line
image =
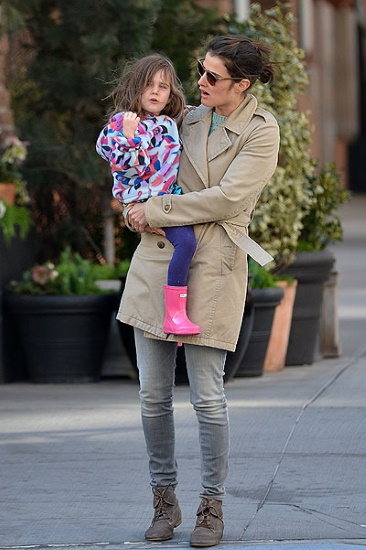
<point x="297" y="204"/>
<point x="321" y="226"/>
<point x="63" y="320"/>
<point x="314" y="262"/>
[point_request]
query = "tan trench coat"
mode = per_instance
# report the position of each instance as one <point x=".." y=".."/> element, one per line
<point x="222" y="177"/>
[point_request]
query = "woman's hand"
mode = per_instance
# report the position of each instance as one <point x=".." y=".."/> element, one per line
<point x="136" y="217"/>
<point x="137" y="220"/>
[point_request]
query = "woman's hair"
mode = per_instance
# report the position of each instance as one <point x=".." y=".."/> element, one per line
<point x="243" y="57"/>
<point x="136" y="76"/>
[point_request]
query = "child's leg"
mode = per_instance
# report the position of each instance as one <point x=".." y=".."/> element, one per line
<point x="175" y="292"/>
<point x="184" y="242"/>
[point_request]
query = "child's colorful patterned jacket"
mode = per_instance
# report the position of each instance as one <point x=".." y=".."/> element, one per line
<point x="147" y="164"/>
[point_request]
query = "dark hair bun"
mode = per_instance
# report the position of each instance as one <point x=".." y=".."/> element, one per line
<point x="266" y="74"/>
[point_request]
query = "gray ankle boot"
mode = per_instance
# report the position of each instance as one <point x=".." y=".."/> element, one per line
<point x="209" y="525"/>
<point x="167" y="514"/>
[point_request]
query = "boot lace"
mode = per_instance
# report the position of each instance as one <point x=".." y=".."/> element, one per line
<point x="160" y="505"/>
<point x="204" y="515"/>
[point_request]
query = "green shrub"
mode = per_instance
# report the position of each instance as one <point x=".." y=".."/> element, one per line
<point x="72" y="275"/>
<point x="321" y="225"/>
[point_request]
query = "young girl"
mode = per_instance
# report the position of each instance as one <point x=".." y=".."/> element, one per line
<point x="142" y="146"/>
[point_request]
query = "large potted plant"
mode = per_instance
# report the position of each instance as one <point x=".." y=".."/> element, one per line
<point x="286" y="207"/>
<point x="62" y="319"/>
<point x="314" y="262"/>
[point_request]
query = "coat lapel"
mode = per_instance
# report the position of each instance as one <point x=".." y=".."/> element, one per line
<point x="199" y="148"/>
<point x="194" y="139"/>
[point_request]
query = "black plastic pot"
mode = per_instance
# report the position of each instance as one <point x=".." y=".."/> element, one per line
<point x="64" y="338"/>
<point x="15" y="258"/>
<point x="126" y="332"/>
<point x="235" y="358"/>
<point x="311" y="269"/>
<point x="128" y="340"/>
<point x="265" y="301"/>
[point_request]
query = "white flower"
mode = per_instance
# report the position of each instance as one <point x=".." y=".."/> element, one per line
<point x="2" y="209"/>
<point x="16" y="151"/>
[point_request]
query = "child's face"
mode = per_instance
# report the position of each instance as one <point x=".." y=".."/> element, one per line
<point x="156" y="95"/>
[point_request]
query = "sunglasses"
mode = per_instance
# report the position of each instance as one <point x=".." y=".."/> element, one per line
<point x="211" y="77"/>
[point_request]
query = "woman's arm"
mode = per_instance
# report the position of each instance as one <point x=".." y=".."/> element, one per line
<point x="244" y="179"/>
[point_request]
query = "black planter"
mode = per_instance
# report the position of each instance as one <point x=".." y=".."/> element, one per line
<point x="64" y="338"/>
<point x="311" y="269"/>
<point x="265" y="301"/>
<point x="126" y="332"/>
<point x="128" y="340"/>
<point x="15" y="257"/>
<point x="235" y="358"/>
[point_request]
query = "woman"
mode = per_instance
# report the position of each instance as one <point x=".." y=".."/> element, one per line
<point x="230" y="150"/>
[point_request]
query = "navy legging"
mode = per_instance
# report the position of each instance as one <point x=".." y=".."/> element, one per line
<point x="184" y="242"/>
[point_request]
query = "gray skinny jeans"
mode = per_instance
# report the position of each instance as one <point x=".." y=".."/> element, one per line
<point x="205" y="368"/>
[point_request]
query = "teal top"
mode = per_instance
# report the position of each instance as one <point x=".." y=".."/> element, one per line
<point x="216" y="121"/>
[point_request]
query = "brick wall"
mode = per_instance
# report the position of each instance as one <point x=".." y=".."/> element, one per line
<point x="6" y="117"/>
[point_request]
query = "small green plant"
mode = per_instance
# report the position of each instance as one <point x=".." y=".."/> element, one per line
<point x="13" y="217"/>
<point x="259" y="276"/>
<point x="72" y="275"/>
<point x="106" y="272"/>
<point x="321" y="225"/>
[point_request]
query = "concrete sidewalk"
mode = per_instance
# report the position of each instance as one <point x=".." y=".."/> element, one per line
<point x="74" y="471"/>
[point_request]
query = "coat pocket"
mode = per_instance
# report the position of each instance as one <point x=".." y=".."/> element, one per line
<point x="228" y="252"/>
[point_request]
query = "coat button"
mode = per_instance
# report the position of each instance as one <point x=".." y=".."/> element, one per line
<point x="166" y="208"/>
<point x="161" y="244"/>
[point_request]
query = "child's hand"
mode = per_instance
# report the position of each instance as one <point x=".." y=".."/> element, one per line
<point x="130" y="123"/>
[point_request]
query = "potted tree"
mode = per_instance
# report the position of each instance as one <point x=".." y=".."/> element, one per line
<point x="314" y="262"/>
<point x="62" y="319"/>
<point x="286" y="207"/>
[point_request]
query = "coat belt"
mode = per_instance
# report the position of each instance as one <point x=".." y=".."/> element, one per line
<point x="247" y="244"/>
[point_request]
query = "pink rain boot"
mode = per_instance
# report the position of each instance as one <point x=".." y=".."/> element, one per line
<point x="176" y="320"/>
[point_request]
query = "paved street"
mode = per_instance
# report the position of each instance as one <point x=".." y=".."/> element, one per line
<point x="73" y="468"/>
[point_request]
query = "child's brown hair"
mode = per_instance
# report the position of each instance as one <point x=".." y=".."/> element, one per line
<point x="136" y="76"/>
